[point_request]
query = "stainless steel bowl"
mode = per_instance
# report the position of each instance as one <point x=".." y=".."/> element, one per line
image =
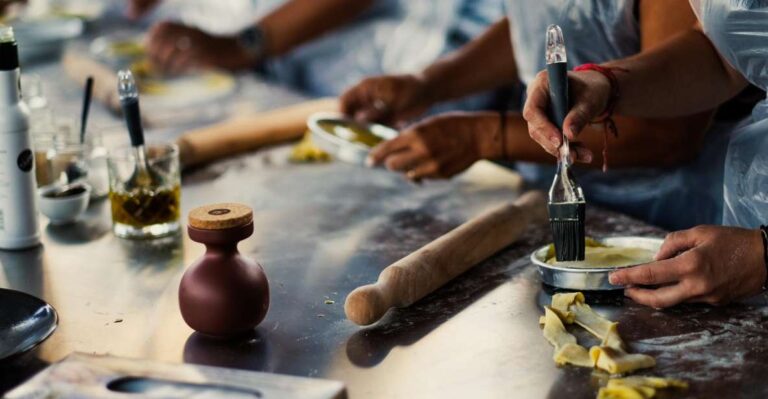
<point x="590" y="279"/>
<point x="344" y="150"/>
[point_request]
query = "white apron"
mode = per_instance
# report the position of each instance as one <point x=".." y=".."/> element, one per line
<point x="739" y="31"/>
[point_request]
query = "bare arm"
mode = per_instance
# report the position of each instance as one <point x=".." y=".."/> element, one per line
<point x="642" y="142"/>
<point x="483" y="64"/>
<point x="299" y="21"/>
<point x="683" y="77"/>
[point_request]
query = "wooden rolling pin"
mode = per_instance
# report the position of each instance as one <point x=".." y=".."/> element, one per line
<point x="248" y="133"/>
<point x="422" y="272"/>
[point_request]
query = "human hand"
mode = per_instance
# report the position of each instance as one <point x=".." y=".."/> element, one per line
<point x="589" y="93"/>
<point x="389" y="99"/>
<point x="139" y="8"/>
<point x="711" y="264"/>
<point x="175" y="48"/>
<point x="440" y="146"/>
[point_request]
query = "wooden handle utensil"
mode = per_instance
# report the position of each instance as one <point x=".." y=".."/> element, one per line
<point x="249" y="133"/>
<point x="422" y="272"/>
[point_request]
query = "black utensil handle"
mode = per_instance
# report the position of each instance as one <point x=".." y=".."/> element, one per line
<point x="558" y="92"/>
<point x="133" y="121"/>
<point x="86" y="106"/>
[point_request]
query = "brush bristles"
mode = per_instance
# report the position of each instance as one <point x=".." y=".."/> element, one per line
<point x="569" y="240"/>
<point x="567" y="221"/>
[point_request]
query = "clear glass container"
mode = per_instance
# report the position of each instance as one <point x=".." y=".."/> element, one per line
<point x="145" y="207"/>
<point x="61" y="158"/>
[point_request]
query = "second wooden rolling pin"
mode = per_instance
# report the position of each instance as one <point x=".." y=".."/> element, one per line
<point x="422" y="272"/>
<point x="248" y="133"/>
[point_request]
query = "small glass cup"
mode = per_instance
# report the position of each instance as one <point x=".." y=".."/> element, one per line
<point x="144" y="208"/>
<point x="62" y="158"/>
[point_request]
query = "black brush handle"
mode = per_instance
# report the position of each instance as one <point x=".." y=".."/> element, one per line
<point x="133" y="120"/>
<point x="86" y="107"/>
<point x="558" y="92"/>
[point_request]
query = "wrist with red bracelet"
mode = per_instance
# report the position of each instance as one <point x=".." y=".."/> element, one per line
<point x="606" y="118"/>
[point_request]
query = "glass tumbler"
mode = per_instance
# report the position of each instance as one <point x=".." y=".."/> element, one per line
<point x="145" y="203"/>
<point x="62" y="158"/>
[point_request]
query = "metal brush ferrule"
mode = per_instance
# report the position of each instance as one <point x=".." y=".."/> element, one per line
<point x="126" y="86"/>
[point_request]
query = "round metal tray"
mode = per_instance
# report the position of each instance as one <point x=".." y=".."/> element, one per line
<point x="590" y="279"/>
<point x="345" y="150"/>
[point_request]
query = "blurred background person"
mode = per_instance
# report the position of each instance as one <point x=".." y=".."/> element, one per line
<point x="673" y="183"/>
<point x="317" y="46"/>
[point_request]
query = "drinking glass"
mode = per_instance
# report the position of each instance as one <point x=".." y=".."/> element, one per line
<point x="61" y="158"/>
<point x="145" y="208"/>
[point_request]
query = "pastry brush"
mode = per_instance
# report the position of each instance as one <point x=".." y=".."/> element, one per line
<point x="566" y="199"/>
<point x="144" y="176"/>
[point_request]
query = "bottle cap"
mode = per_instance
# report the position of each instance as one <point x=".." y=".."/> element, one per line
<point x="9" y="53"/>
<point x="6" y="34"/>
<point x="220" y="216"/>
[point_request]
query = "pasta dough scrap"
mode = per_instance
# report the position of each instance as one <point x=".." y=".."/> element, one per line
<point x="571" y="307"/>
<point x="609" y="356"/>
<point x="616" y="361"/>
<point x="562" y="302"/>
<point x="567" y="351"/>
<point x="603" y="329"/>
<point x="306" y="151"/>
<point x="620" y="393"/>
<point x="574" y="354"/>
<point x="638" y="387"/>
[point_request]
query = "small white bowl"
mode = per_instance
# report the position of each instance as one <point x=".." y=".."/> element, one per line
<point x="64" y="209"/>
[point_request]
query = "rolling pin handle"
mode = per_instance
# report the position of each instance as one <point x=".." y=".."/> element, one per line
<point x="367" y="304"/>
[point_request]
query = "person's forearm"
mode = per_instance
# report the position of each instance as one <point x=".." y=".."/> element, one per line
<point x="299" y="21"/>
<point x="682" y="77"/>
<point x="483" y="64"/>
<point x="641" y="142"/>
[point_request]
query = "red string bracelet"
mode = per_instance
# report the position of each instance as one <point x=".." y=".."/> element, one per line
<point x="606" y="118"/>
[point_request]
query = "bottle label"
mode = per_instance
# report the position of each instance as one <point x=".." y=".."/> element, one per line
<point x="4" y="186"/>
<point x="25" y="160"/>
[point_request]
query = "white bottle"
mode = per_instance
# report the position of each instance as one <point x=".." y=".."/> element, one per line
<point x="18" y="209"/>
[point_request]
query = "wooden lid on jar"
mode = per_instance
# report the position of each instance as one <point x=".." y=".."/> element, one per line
<point x="220" y="216"/>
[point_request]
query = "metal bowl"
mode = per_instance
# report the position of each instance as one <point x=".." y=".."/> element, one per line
<point x="339" y="148"/>
<point x="589" y="279"/>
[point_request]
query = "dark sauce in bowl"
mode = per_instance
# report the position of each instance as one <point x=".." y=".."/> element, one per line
<point x="69" y="192"/>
